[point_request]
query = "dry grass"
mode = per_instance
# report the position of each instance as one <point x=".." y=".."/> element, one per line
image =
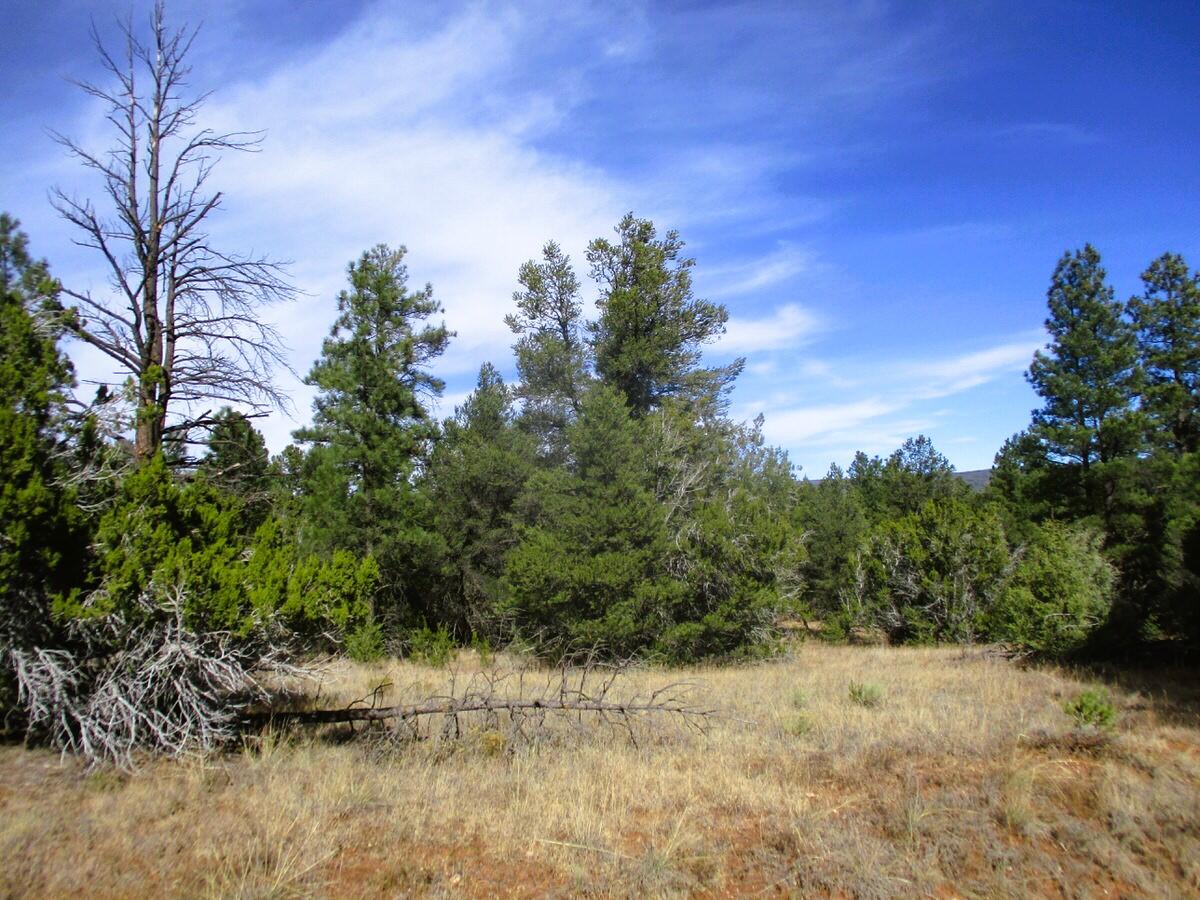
<point x="966" y="779"/>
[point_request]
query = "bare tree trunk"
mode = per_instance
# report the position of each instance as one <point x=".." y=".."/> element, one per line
<point x="183" y="323"/>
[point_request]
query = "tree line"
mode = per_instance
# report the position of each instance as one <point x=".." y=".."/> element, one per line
<point x="605" y="499"/>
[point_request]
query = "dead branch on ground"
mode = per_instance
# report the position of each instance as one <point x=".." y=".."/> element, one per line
<point x="569" y="694"/>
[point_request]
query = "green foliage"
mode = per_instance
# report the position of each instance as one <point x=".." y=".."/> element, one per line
<point x="42" y="540"/>
<point x="1059" y="593"/>
<point x="932" y="575"/>
<point x="588" y="570"/>
<point x="647" y="340"/>
<point x="1166" y="318"/>
<point x="237" y="463"/>
<point x="370" y="425"/>
<point x="365" y="642"/>
<point x="832" y="517"/>
<point x="434" y="647"/>
<point x="476" y="475"/>
<point x="1089" y="376"/>
<point x="865" y="693"/>
<point x="1093" y="708"/>
<point x="552" y="358"/>
<point x="161" y="536"/>
<point x="911" y="476"/>
<point x="37" y="523"/>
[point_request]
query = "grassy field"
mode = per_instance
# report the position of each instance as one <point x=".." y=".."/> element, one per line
<point x="951" y="774"/>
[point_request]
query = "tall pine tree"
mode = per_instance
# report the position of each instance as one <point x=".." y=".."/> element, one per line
<point x="371" y="425"/>
<point x="647" y="341"/>
<point x="1088" y="376"/>
<point x="1167" y="319"/>
<point x="551" y="353"/>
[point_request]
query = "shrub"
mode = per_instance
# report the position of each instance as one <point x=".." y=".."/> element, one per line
<point x="1059" y="592"/>
<point x="365" y="643"/>
<point x="866" y="694"/>
<point x="434" y="648"/>
<point x="1092" y="708"/>
<point x="933" y="574"/>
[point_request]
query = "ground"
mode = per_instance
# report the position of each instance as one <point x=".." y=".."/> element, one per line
<point x="966" y="778"/>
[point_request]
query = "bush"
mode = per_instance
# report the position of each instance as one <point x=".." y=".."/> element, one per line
<point x="434" y="648"/>
<point x="365" y="643"/>
<point x="1058" y="594"/>
<point x="933" y="574"/>
<point x="866" y="694"/>
<point x="1092" y="708"/>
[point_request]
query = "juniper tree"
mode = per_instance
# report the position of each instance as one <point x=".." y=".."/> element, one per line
<point x="40" y="541"/>
<point x="1167" y="319"/>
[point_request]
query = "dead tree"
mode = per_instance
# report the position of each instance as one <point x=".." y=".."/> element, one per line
<point x="570" y="694"/>
<point x="182" y="320"/>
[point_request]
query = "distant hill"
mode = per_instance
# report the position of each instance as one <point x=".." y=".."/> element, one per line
<point x="978" y="478"/>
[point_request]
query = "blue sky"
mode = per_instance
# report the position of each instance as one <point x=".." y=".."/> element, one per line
<point x="877" y="191"/>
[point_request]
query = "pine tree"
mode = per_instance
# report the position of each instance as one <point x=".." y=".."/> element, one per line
<point x="647" y="340"/>
<point x="550" y="350"/>
<point x="1089" y="376"/>
<point x="476" y="475"/>
<point x="237" y="462"/>
<point x="370" y="424"/>
<point x="588" y="570"/>
<point x="1167" y="319"/>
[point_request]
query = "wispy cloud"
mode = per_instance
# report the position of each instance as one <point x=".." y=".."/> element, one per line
<point x="941" y="378"/>
<point x="789" y="326"/>
<point x="883" y="402"/>
<point x="1049" y="132"/>
<point x="823" y="422"/>
<point x="743" y="277"/>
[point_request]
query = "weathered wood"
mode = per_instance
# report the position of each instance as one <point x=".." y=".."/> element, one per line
<point x="455" y="707"/>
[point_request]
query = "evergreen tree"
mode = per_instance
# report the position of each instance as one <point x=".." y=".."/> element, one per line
<point x="476" y="475"/>
<point x="1167" y="320"/>
<point x="647" y="340"/>
<point x="370" y="424"/>
<point x="912" y="474"/>
<point x="832" y="517"/>
<point x="237" y="462"/>
<point x="40" y="539"/>
<point x="588" y="569"/>
<point x="550" y="350"/>
<point x="1088" y="377"/>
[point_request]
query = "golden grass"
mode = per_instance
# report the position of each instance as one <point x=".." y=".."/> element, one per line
<point x="964" y="780"/>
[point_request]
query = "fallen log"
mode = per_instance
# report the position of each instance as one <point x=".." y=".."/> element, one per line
<point x="574" y="692"/>
<point x="456" y="707"/>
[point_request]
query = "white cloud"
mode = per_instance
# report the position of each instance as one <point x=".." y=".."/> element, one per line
<point x="817" y="424"/>
<point x="386" y="137"/>
<point x="789" y="326"/>
<point x="753" y="275"/>
<point x="886" y="402"/>
<point x="941" y="378"/>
